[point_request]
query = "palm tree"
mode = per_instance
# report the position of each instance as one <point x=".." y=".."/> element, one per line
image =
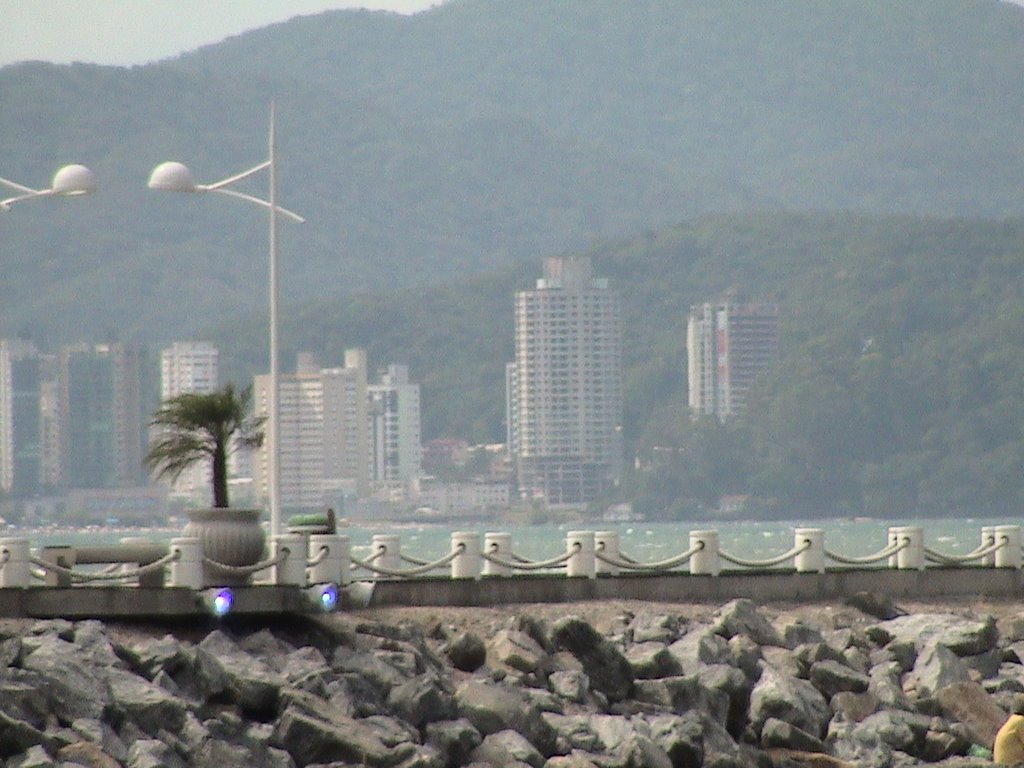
<point x="195" y="427"/>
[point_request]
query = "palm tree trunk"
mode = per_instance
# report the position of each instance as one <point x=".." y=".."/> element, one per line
<point x="220" y="476"/>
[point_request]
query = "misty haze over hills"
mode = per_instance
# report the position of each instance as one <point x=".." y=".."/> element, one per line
<point x="483" y="132"/>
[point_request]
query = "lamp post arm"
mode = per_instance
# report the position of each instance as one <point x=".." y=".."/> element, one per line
<point x="19" y="187"/>
<point x="237" y="177"/>
<point x="232" y="193"/>
<point x="5" y="205"/>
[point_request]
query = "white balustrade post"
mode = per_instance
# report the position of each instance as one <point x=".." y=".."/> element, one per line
<point x="812" y="559"/>
<point x="334" y="561"/>
<point x="607" y="544"/>
<point x="16" y="570"/>
<point x="705" y="561"/>
<point x="386" y="553"/>
<point x="499" y="544"/>
<point x="580" y="545"/>
<point x="1008" y="555"/>
<point x="187" y="568"/>
<point x="289" y="549"/>
<point x="988" y="539"/>
<point x="911" y="558"/>
<point x="466" y="564"/>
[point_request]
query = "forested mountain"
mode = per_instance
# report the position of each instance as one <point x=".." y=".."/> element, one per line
<point x="486" y="131"/>
<point x="900" y="389"/>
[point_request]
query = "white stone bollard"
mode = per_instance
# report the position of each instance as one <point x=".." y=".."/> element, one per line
<point x="335" y="565"/>
<point x="1008" y="555"/>
<point x="988" y="539"/>
<point x="812" y="559"/>
<point x="187" y="569"/>
<point x="291" y="569"/>
<point x="607" y="544"/>
<point x="911" y="557"/>
<point x="581" y="546"/>
<point x="499" y="544"/>
<point x="386" y="553"/>
<point x="16" y="571"/>
<point x="466" y="564"/>
<point x="705" y="561"/>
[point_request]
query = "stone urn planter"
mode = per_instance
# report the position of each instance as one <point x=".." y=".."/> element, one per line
<point x="232" y="537"/>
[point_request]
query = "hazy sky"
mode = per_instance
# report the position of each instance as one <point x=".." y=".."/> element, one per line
<point x="124" y="32"/>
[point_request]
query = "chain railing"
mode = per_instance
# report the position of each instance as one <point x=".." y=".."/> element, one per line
<point x="883" y="554"/>
<point x="78" y="575"/>
<point x="629" y="564"/>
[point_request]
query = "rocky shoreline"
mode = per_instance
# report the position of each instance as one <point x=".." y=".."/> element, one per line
<point x="610" y="685"/>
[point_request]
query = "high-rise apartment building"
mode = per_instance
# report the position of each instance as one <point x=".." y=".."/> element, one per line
<point x="728" y="345"/>
<point x="100" y="416"/>
<point x="323" y="433"/>
<point x="21" y="426"/>
<point x="189" y="367"/>
<point x="565" y="398"/>
<point x="395" y="441"/>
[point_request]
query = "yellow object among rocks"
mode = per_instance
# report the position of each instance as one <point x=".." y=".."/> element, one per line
<point x="1009" y="745"/>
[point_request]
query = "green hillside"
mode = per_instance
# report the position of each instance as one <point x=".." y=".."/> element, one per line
<point x="482" y="133"/>
<point x="899" y="390"/>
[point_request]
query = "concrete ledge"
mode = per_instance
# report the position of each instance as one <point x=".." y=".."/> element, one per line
<point x="760" y="586"/>
<point x="140" y="602"/>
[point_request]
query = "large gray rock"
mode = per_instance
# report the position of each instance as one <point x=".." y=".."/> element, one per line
<point x="964" y="637"/>
<point x="630" y="742"/>
<point x="741" y="617"/>
<point x="492" y="708"/>
<point x="515" y="649"/>
<point x="683" y="694"/>
<point x="17" y="736"/>
<point x="74" y="689"/>
<point x="147" y="705"/>
<point x="570" y="684"/>
<point x="466" y="651"/>
<point x="831" y="677"/>
<point x="791" y="700"/>
<point x="656" y="627"/>
<point x="776" y="733"/>
<point x="312" y="740"/>
<point x="700" y="646"/>
<point x="607" y="668"/>
<point x="936" y="667"/>
<point x="969" y="704"/>
<point x="651" y="659"/>
<point x="503" y="747"/>
<point x="223" y="668"/>
<point x="422" y="700"/>
<point x="453" y="739"/>
<point x="153" y="753"/>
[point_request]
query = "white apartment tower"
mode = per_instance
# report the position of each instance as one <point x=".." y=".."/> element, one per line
<point x="729" y="344"/>
<point x="565" y="399"/>
<point x="189" y="367"/>
<point x="395" y="443"/>
<point x="323" y="433"/>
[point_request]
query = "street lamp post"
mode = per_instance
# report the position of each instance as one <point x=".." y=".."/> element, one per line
<point x="69" y="181"/>
<point x="176" y="177"/>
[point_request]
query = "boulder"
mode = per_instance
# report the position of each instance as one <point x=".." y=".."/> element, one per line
<point x="741" y="617"/>
<point x="607" y="668"/>
<point x="655" y="628"/>
<point x="964" y="637"/>
<point x="969" y="704"/>
<point x="454" y="740"/>
<point x="504" y="746"/>
<point x="224" y="669"/>
<point x="936" y="667"/>
<point x="649" y="660"/>
<point x="312" y="740"/>
<point x="153" y="753"/>
<point x="147" y="705"/>
<point x="492" y="708"/>
<point x="701" y="646"/>
<point x="422" y="700"/>
<point x="466" y="652"/>
<point x="831" y="677"/>
<point x="515" y="649"/>
<point x="776" y="733"/>
<point x="571" y="685"/>
<point x="74" y="689"/>
<point x="791" y="700"/>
